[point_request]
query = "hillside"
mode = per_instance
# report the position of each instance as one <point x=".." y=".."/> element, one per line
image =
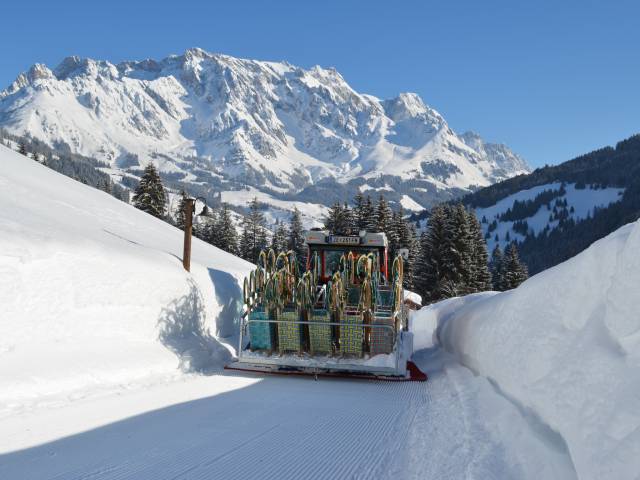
<point x="94" y="295"/>
<point x="565" y="348"/>
<point x="218" y="123"/>
<point x="555" y="212"/>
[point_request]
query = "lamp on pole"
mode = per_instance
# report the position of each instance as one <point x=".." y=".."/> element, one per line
<point x="189" y="207"/>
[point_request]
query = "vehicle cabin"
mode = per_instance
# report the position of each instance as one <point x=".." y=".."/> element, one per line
<point x="330" y="248"/>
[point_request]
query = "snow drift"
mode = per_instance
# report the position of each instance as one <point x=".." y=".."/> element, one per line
<point x="565" y="347"/>
<point x="93" y="293"/>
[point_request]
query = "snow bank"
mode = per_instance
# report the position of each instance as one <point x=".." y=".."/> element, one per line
<point x="93" y="293"/>
<point x="564" y="346"/>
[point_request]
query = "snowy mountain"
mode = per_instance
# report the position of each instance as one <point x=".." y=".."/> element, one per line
<point x="219" y="123"/>
<point x="506" y="161"/>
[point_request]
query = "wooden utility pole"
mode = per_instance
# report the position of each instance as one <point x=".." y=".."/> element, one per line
<point x="189" y="205"/>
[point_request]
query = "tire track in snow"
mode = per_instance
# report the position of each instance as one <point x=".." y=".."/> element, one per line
<point x="281" y="428"/>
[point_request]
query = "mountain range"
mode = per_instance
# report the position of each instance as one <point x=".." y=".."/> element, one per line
<point x="220" y="126"/>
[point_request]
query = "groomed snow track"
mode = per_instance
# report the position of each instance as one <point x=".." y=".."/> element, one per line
<point x="290" y="427"/>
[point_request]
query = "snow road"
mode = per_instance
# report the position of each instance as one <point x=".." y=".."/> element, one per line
<point x="453" y="426"/>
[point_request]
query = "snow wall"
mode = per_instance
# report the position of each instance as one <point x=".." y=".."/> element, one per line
<point x="564" y="347"/>
<point x="93" y="295"/>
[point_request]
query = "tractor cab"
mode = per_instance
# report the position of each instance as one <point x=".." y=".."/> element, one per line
<point x="330" y="249"/>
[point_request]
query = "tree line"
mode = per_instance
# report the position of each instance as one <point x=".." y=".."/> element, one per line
<point x="80" y="168"/>
<point x="449" y="258"/>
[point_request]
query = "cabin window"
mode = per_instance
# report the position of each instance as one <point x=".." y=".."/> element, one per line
<point x="332" y="261"/>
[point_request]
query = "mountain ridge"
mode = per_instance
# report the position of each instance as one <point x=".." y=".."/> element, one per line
<point x="226" y="123"/>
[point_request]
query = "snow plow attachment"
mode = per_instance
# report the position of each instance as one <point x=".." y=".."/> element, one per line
<point x="341" y="318"/>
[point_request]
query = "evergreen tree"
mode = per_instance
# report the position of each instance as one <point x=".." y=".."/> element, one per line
<point x="296" y="240"/>
<point x="458" y="246"/>
<point x="452" y="255"/>
<point x="369" y="216"/>
<point x="337" y="220"/>
<point x="22" y="148"/>
<point x="347" y="220"/>
<point x="279" y="239"/>
<point x="254" y="233"/>
<point x="359" y="213"/>
<point x="413" y="244"/>
<point x="481" y="276"/>
<point x="107" y="186"/>
<point x="204" y="226"/>
<point x="395" y="232"/>
<point x="149" y="194"/>
<point x="226" y="234"/>
<point x="245" y="248"/>
<point x="497" y="279"/>
<point x="514" y="271"/>
<point x="180" y="212"/>
<point x="383" y="215"/>
<point x="332" y="219"/>
<point x="429" y="274"/>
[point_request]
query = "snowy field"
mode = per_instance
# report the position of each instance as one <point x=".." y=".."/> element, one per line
<point x="111" y="364"/>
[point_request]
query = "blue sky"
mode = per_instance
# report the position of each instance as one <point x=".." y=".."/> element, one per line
<point x="550" y="79"/>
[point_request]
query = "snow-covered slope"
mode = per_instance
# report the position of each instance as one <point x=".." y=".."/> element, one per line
<point x="580" y="204"/>
<point x="93" y="293"/>
<point x="223" y="121"/>
<point x="565" y="347"/>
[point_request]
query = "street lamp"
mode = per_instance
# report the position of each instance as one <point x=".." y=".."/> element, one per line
<point x="189" y="207"/>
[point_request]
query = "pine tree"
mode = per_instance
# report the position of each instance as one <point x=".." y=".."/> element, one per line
<point x="458" y="246"/>
<point x="514" y="271"/>
<point x="383" y="216"/>
<point x="359" y="213"/>
<point x="452" y="256"/>
<point x="497" y="278"/>
<point x="280" y="237"/>
<point x="394" y="231"/>
<point x="226" y="234"/>
<point x="296" y="238"/>
<point x="245" y="248"/>
<point x="481" y="276"/>
<point x="106" y="186"/>
<point x="22" y="148"/>
<point x="254" y="233"/>
<point x="347" y="220"/>
<point x="337" y="220"/>
<point x="429" y="275"/>
<point x="370" y="222"/>
<point x="413" y="245"/>
<point x="204" y="227"/>
<point x="180" y="212"/>
<point x="149" y="194"/>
